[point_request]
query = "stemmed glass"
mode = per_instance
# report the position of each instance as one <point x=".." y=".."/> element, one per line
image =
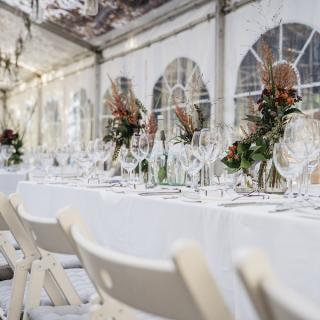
<point x="286" y="164"/>
<point x="139" y="146"/>
<point x="62" y="156"/>
<point x="6" y="153"/>
<point x="302" y="135"/>
<point x="46" y="158"/>
<point x="191" y="164"/>
<point x="128" y="162"/>
<point x="102" y="151"/>
<point x="83" y="159"/>
<point x="209" y="149"/>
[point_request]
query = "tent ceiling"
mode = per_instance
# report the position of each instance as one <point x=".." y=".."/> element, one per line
<point x="113" y="14"/>
<point x="65" y="34"/>
<point x="45" y="49"/>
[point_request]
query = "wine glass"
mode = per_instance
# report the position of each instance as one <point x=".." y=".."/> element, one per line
<point x="191" y="164"/>
<point x="102" y="151"/>
<point x="128" y="161"/>
<point x="209" y="149"/>
<point x="139" y="147"/>
<point x="286" y="164"/>
<point x="6" y="153"/>
<point x="62" y="156"/>
<point x="302" y="137"/>
<point x="46" y="158"/>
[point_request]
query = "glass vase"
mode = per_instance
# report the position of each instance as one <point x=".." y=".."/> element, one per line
<point x="270" y="180"/>
<point x="244" y="182"/>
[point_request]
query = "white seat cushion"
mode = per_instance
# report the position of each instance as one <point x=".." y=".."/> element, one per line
<point x="78" y="277"/>
<point x="67" y="261"/>
<point x="60" y="313"/>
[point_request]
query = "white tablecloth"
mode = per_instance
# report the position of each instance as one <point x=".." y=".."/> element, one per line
<point x="9" y="181"/>
<point x="147" y="227"/>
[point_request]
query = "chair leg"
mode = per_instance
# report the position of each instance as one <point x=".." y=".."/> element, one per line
<point x="17" y="291"/>
<point x="8" y="251"/>
<point x="63" y="281"/>
<point x="35" y="286"/>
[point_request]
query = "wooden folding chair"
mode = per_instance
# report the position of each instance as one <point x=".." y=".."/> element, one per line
<point x="271" y="299"/>
<point x="12" y="291"/>
<point x="50" y="239"/>
<point x="182" y="288"/>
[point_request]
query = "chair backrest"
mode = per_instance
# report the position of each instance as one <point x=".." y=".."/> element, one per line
<point x="8" y="213"/>
<point x="3" y="224"/>
<point x="271" y="299"/>
<point x="46" y="233"/>
<point x="181" y="289"/>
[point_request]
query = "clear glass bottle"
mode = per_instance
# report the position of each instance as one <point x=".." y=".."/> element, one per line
<point x="160" y="154"/>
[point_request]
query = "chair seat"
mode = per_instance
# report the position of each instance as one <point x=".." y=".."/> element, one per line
<point x="60" y="313"/>
<point x="78" y="277"/>
<point x="67" y="261"/>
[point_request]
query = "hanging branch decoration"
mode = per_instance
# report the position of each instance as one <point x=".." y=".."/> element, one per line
<point x="127" y="112"/>
<point x="9" y="65"/>
<point x="277" y="101"/>
<point x="187" y="123"/>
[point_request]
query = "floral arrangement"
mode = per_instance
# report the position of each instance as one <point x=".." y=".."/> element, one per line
<point x="267" y="120"/>
<point x="127" y="112"/>
<point x="188" y="124"/>
<point x="11" y="138"/>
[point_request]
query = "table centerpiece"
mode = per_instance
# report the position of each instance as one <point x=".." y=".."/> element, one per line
<point x="267" y="121"/>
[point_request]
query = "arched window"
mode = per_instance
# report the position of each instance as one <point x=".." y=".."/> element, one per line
<point x="23" y="117"/>
<point x="293" y="43"/>
<point x="181" y="83"/>
<point x="79" y="117"/>
<point x="124" y="85"/>
<point x="52" y="126"/>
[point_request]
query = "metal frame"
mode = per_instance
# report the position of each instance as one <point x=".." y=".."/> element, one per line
<point x="51" y="27"/>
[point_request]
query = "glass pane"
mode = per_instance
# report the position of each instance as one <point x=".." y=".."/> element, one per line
<point x="186" y="87"/>
<point x="271" y="37"/>
<point x="309" y="63"/>
<point x="52" y="123"/>
<point x="311" y="100"/>
<point x="295" y="36"/>
<point x="249" y="75"/>
<point x="79" y="117"/>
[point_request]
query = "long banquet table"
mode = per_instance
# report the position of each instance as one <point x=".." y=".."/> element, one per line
<point x="9" y="180"/>
<point x="148" y="226"/>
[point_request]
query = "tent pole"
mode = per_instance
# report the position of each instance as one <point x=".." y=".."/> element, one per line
<point x="96" y="112"/>
<point x="40" y="110"/>
<point x="219" y="62"/>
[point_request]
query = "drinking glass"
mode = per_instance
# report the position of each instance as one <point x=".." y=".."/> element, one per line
<point x="302" y="135"/>
<point x="191" y="164"/>
<point x="62" y="156"/>
<point x="103" y="151"/>
<point x="46" y="158"/>
<point x="128" y="162"/>
<point x="286" y="164"/>
<point x="209" y="149"/>
<point x="6" y="153"/>
<point x="139" y="147"/>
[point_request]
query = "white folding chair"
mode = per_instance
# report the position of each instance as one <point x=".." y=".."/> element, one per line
<point x="271" y="299"/>
<point x="181" y="289"/>
<point x="12" y="291"/>
<point x="50" y="239"/>
<point x="8" y="254"/>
